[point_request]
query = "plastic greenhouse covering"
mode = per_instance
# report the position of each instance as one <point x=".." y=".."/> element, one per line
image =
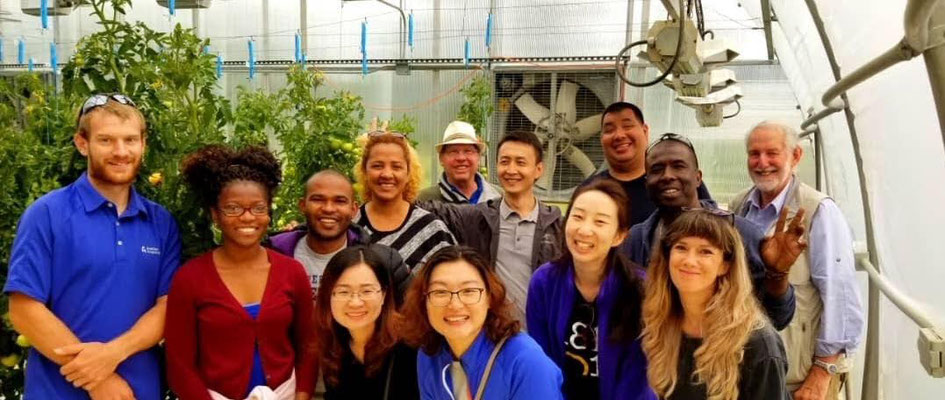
<point x="894" y="114"/>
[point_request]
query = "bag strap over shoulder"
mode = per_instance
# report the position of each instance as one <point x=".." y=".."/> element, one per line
<point x="390" y="371"/>
<point x="488" y="371"/>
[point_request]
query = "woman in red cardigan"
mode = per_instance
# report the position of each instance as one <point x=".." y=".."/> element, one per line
<point x="239" y="318"/>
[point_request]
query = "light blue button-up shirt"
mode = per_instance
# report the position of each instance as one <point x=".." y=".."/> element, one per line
<point x="830" y="251"/>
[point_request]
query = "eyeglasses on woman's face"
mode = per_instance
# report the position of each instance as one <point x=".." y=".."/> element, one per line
<point x="347" y="295"/>
<point x="467" y="296"/>
<point x="236" y="210"/>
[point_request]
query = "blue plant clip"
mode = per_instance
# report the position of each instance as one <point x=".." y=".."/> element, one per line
<point x="44" y="13"/>
<point x="53" y="59"/>
<point x="363" y="37"/>
<point x="29" y="66"/>
<point x="252" y="59"/>
<point x="172" y="7"/>
<point x="466" y="53"/>
<point x="489" y="31"/>
<point x="219" y="66"/>
<point x="410" y="30"/>
<point x="364" y="67"/>
<point x="21" y="52"/>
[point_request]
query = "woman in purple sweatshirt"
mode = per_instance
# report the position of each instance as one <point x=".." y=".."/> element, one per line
<point x="584" y="309"/>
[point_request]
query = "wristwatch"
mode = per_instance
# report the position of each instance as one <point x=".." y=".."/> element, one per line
<point x="832" y="369"/>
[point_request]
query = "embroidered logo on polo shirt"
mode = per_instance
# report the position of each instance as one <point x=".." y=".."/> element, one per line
<point x="151" y="250"/>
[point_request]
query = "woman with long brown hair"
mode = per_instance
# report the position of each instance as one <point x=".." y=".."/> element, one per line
<point x="704" y="334"/>
<point x="360" y="353"/>
<point x="470" y="345"/>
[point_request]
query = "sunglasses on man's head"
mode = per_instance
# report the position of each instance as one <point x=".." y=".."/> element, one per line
<point x="98" y="100"/>
<point x="718" y="212"/>
<point x="675" y="137"/>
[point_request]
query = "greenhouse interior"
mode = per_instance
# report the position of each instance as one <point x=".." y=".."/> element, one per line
<point x="862" y="82"/>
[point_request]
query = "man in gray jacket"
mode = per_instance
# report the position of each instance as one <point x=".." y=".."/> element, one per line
<point x="516" y="233"/>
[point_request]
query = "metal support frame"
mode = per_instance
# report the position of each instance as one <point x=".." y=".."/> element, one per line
<point x="766" y="19"/>
<point x="491" y="50"/>
<point x="809" y="126"/>
<point x="56" y="39"/>
<point x="671" y="9"/>
<point x="403" y="27"/>
<point x="628" y="38"/>
<point x="303" y="24"/>
<point x="916" y="21"/>
<point x="818" y="146"/>
<point x="906" y="304"/>
<point x="915" y="42"/>
<point x="935" y="63"/>
<point x="583" y="63"/>
<point x="638" y="70"/>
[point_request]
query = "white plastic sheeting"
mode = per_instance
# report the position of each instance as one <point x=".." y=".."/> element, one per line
<point x="898" y="132"/>
<point x="903" y="157"/>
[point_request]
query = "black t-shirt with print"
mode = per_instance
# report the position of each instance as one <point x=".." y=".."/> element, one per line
<point x="581" y="380"/>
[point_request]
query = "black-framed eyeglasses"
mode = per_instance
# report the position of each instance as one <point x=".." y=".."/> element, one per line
<point x="672" y="136"/>
<point x="467" y="296"/>
<point x="378" y="133"/>
<point x="718" y="212"/>
<point x="235" y="210"/>
<point x="98" y="100"/>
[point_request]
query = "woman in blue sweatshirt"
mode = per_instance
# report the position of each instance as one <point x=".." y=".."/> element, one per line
<point x="456" y="312"/>
<point x="584" y="309"/>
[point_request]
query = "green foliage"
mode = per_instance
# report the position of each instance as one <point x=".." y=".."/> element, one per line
<point x="174" y="84"/>
<point x="477" y="107"/>
<point x="319" y="135"/>
<point x="257" y="115"/>
<point x="35" y="157"/>
<point x="403" y="125"/>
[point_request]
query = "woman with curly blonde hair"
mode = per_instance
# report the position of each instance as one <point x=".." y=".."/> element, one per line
<point x="389" y="174"/>
<point x="704" y="333"/>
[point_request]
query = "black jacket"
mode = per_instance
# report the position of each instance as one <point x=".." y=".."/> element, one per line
<point x="477" y="226"/>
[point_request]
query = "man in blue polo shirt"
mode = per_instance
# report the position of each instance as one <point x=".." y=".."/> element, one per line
<point x="90" y="269"/>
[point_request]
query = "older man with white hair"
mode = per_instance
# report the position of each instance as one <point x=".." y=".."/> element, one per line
<point x="828" y="321"/>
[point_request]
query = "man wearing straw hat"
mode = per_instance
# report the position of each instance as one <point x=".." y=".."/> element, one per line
<point x="460" y="182"/>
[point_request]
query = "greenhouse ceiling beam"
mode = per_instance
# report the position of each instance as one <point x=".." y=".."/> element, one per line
<point x="935" y="63"/>
<point x="519" y="63"/>
<point x="766" y="19"/>
<point x="483" y="60"/>
<point x="303" y="24"/>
